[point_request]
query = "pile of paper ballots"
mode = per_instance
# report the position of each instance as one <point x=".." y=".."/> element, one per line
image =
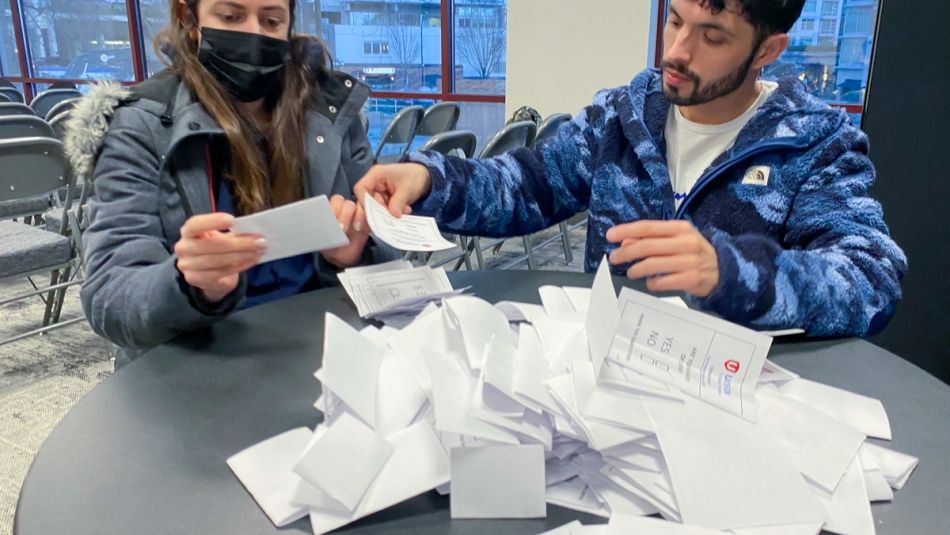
<point x="622" y="408"/>
<point x="395" y="292"/>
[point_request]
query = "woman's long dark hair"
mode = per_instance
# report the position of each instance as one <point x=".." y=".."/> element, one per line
<point x="258" y="184"/>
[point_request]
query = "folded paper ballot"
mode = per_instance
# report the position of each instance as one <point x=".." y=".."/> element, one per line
<point x="297" y="228"/>
<point x="407" y="233"/>
<point x="395" y="288"/>
<point x="619" y="407"/>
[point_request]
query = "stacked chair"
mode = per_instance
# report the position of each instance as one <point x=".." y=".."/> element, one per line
<point x="39" y="212"/>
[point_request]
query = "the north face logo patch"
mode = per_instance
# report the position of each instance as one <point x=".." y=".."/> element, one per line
<point x="757" y="175"/>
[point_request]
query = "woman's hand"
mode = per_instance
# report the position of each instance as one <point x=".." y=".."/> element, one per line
<point x="211" y="259"/>
<point x="351" y="218"/>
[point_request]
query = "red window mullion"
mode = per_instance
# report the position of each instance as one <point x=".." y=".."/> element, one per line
<point x="24" y="55"/>
<point x="448" y="48"/>
<point x="136" y="40"/>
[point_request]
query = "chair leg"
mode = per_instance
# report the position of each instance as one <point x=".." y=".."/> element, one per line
<point x="529" y="252"/>
<point x="61" y="295"/>
<point x="467" y="255"/>
<point x="50" y="298"/>
<point x="566" y="242"/>
<point x="478" y="252"/>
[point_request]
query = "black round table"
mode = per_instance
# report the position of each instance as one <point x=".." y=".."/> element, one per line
<point x="144" y="452"/>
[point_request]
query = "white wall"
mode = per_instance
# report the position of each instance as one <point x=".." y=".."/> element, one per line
<point x="561" y="52"/>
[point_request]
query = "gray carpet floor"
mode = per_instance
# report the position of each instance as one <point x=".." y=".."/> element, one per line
<point x="42" y="377"/>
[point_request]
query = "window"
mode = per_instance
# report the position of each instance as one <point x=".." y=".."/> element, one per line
<point x="828" y="26"/>
<point x="9" y="62"/>
<point x="481" y="29"/>
<point x="837" y="65"/>
<point x="807" y="25"/>
<point x="80" y="39"/>
<point x="393" y="46"/>
<point x="809" y="6"/>
<point x="858" y="20"/>
<point x="376" y="48"/>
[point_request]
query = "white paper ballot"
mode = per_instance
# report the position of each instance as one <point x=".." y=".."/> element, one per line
<point x="603" y="315"/>
<point x="399" y="289"/>
<point x="729" y="473"/>
<point x="895" y="466"/>
<point x="297" y="228"/>
<point x="576" y="495"/>
<point x="345" y="460"/>
<point x="418" y="465"/>
<point x="498" y="482"/>
<point x="351" y="367"/>
<point x="265" y="469"/>
<point x="566" y="529"/>
<point x="706" y="357"/>
<point x="408" y="233"/>
<point x="864" y="413"/>
<point x="621" y="524"/>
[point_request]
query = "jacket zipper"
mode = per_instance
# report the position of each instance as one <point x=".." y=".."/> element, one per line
<point x="706" y="179"/>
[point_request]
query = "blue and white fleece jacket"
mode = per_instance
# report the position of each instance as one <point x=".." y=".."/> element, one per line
<point x="807" y="249"/>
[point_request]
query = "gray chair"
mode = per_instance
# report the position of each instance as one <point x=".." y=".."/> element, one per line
<point x="548" y="129"/>
<point x="460" y="143"/>
<point x="20" y="126"/>
<point x="4" y="98"/>
<point x="15" y="108"/>
<point x="15" y="126"/>
<point x="37" y="167"/>
<point x="12" y="93"/>
<point x="449" y="142"/>
<point x="58" y="124"/>
<point x="512" y="136"/>
<point x="45" y="101"/>
<point x="401" y="131"/>
<point x="438" y="118"/>
<point x="61" y="108"/>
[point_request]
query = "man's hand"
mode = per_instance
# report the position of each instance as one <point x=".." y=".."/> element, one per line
<point x="395" y="186"/>
<point x="673" y="255"/>
<point x="352" y="221"/>
<point x="211" y="259"/>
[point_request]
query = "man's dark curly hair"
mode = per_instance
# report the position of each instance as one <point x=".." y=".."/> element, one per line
<point x="767" y="16"/>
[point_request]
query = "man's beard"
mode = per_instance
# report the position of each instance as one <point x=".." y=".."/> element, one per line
<point x="703" y="94"/>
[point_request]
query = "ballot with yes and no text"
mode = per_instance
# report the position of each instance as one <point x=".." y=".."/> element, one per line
<point x="408" y="233"/>
<point x="706" y="357"/>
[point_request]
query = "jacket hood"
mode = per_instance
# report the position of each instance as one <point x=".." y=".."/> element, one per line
<point x="88" y="123"/>
<point x="789" y="113"/>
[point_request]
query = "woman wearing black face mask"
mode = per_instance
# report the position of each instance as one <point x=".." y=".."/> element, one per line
<point x="247" y="117"/>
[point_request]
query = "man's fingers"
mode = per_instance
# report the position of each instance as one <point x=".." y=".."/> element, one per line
<point x="649" y="247"/>
<point x="197" y="225"/>
<point x="662" y="265"/>
<point x="648" y="229"/>
<point x="674" y="282"/>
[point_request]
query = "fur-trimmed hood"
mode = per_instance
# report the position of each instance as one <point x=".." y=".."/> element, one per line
<point x="88" y="123"/>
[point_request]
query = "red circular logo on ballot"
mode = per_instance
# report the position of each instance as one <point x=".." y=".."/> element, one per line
<point x="732" y="366"/>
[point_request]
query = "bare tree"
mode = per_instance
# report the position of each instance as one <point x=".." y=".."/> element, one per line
<point x="481" y="43"/>
<point x="405" y="42"/>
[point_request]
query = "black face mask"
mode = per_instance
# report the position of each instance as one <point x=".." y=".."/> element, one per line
<point x="249" y="66"/>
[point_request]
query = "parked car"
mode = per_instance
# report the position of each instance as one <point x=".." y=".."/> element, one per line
<point x="102" y="64"/>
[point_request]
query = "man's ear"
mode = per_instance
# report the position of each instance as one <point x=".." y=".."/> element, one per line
<point x="770" y="50"/>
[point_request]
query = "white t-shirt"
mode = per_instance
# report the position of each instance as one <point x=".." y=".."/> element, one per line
<point x="692" y="147"/>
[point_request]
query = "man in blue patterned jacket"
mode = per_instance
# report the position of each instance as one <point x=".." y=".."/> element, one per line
<point x="749" y="196"/>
